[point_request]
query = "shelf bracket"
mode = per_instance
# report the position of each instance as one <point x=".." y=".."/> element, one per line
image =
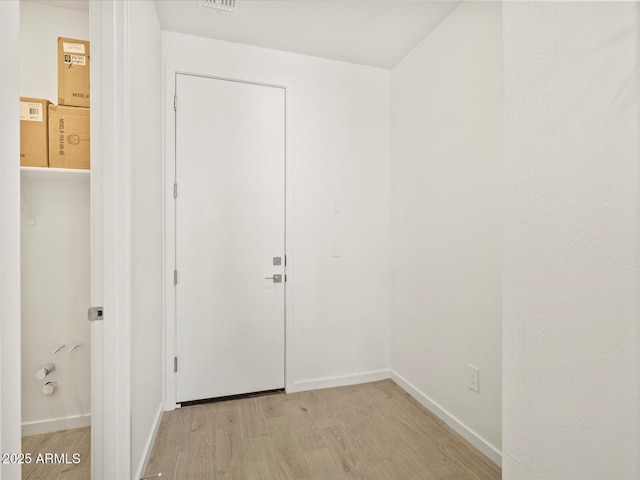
<point x="26" y="201"/>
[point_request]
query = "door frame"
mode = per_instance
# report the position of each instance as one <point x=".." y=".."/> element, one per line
<point x="111" y="234"/>
<point x="10" y="375"/>
<point x="111" y="214"/>
<point x="169" y="212"/>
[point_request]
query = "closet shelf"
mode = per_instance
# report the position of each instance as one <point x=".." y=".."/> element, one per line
<point x="55" y="174"/>
<point x="33" y="175"/>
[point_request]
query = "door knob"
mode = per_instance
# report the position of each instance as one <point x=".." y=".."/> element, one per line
<point x="95" y="313"/>
<point x="277" y="278"/>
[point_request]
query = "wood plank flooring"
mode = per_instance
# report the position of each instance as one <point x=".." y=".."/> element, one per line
<point x="370" y="431"/>
<point x="77" y="440"/>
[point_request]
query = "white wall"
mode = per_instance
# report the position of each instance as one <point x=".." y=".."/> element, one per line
<point x="570" y="240"/>
<point x="340" y="134"/>
<point x="55" y="251"/>
<point x="55" y="296"/>
<point x="446" y="153"/>
<point x="9" y="241"/>
<point x="147" y="294"/>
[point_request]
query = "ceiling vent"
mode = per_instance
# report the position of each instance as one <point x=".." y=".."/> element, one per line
<point x="222" y="5"/>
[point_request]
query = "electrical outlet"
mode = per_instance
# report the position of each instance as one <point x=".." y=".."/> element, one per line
<point x="474" y="378"/>
<point x="336" y="249"/>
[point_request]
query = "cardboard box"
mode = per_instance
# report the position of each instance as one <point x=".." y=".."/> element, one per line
<point x="69" y="137"/>
<point x="34" y="135"/>
<point x="73" y="72"/>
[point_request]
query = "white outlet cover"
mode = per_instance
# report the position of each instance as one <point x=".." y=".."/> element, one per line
<point x="474" y="378"/>
<point x="336" y="249"/>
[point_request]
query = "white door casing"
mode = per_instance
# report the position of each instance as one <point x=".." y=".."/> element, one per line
<point x="230" y="224"/>
<point x="97" y="330"/>
<point x="111" y="160"/>
<point x="10" y="241"/>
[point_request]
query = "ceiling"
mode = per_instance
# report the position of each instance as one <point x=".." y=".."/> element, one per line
<point x="370" y="32"/>
<point x="81" y="5"/>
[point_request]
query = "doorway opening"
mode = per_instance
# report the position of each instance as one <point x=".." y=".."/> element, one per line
<point x="55" y="230"/>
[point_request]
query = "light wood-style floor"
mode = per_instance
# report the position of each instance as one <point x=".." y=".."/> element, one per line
<point x="77" y="440"/>
<point x="370" y="431"/>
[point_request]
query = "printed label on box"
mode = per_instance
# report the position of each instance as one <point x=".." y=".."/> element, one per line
<point x="31" y="112"/>
<point x="73" y="47"/>
<point x="74" y="59"/>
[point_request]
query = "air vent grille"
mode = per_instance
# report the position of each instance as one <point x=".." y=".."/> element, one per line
<point x="224" y="5"/>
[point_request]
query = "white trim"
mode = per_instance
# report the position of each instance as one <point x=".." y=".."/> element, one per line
<point x="148" y="446"/>
<point x="163" y="213"/>
<point x="10" y="390"/>
<point x="115" y="154"/>
<point x="97" y="237"/>
<point x="55" y="424"/>
<point x="340" y="381"/>
<point x="467" y="433"/>
<point x="168" y="214"/>
<point x="169" y="339"/>
<point x="289" y="358"/>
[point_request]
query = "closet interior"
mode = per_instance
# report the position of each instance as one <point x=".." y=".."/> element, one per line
<point x="55" y="237"/>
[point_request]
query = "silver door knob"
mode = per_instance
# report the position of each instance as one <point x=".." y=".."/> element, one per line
<point x="277" y="278"/>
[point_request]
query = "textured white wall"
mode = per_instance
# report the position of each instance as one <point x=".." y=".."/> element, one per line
<point x="341" y="151"/>
<point x="147" y="288"/>
<point x="446" y="154"/>
<point x="570" y="241"/>
<point x="55" y="252"/>
<point x="9" y="241"/>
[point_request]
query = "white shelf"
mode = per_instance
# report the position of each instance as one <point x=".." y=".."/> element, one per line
<point x="31" y="175"/>
<point x="55" y="174"/>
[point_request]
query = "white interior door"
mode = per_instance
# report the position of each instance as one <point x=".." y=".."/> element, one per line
<point x="230" y="231"/>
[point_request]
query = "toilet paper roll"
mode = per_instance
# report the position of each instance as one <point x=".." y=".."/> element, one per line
<point x="46" y="370"/>
<point x="49" y="388"/>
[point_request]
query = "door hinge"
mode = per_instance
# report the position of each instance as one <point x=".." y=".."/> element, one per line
<point x="175" y="277"/>
<point x="175" y="103"/>
<point x="285" y="260"/>
<point x="285" y="277"/>
<point x="175" y="190"/>
<point x="175" y="364"/>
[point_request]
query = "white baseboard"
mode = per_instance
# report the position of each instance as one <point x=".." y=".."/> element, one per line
<point x="55" y="424"/>
<point x="144" y="461"/>
<point x="339" y="381"/>
<point x="472" y="437"/>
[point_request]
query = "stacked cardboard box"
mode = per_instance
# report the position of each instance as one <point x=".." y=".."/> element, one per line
<point x="73" y="72"/>
<point x="69" y="137"/>
<point x="59" y="135"/>
<point x="34" y="135"/>
<point x="69" y="130"/>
